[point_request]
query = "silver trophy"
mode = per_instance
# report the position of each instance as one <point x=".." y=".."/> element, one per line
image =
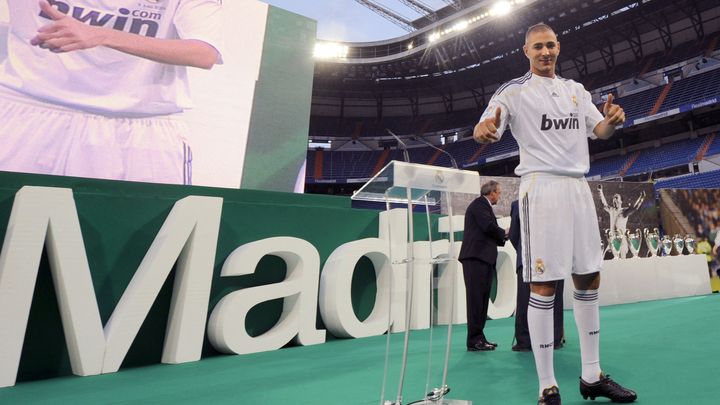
<point x="690" y="244"/>
<point x="634" y="241"/>
<point x="667" y="245"/>
<point x="679" y="243"/>
<point x="615" y="239"/>
<point x="652" y="240"/>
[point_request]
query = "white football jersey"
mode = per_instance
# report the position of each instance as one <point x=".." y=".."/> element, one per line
<point x="551" y="120"/>
<point x="102" y="80"/>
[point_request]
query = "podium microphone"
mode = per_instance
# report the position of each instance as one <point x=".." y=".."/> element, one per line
<point x="452" y="159"/>
<point x="401" y="145"/>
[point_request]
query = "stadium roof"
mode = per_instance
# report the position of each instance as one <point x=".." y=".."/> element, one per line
<point x="596" y="35"/>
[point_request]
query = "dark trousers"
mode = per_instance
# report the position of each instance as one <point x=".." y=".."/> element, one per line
<point x="478" y="280"/>
<point x="522" y="333"/>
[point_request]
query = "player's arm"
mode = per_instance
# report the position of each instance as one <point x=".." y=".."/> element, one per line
<point x="636" y="205"/>
<point x="65" y="34"/>
<point x="614" y="116"/>
<point x="602" y="197"/>
<point x="639" y="200"/>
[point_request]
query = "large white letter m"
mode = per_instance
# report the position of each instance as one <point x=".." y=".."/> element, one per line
<point x="47" y="216"/>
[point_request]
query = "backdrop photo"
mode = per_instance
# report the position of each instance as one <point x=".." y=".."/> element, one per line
<point x="619" y="205"/>
<point x="694" y="212"/>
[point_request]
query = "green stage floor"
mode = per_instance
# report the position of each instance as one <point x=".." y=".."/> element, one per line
<point x="666" y="350"/>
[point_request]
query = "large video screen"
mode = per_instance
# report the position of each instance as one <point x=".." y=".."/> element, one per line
<point x="250" y="116"/>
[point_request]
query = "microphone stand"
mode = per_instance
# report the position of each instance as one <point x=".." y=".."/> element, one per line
<point x="402" y="145"/>
<point x="453" y="162"/>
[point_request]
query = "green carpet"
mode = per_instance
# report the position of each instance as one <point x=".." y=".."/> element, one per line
<point x="666" y="350"/>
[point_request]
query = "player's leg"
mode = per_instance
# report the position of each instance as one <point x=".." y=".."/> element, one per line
<point x="587" y="260"/>
<point x="546" y="259"/>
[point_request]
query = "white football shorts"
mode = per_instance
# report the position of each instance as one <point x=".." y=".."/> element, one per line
<point x="559" y="227"/>
<point x="42" y="138"/>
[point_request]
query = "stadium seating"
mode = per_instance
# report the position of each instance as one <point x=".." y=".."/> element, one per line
<point x="695" y="180"/>
<point x="692" y="90"/>
<point x="607" y="167"/>
<point x="343" y="165"/>
<point x="665" y="156"/>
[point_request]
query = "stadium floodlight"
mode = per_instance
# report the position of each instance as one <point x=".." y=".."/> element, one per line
<point x="460" y="26"/>
<point x="501" y="8"/>
<point x="434" y="37"/>
<point x="330" y="50"/>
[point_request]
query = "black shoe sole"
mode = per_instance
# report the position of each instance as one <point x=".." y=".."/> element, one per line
<point x="617" y="401"/>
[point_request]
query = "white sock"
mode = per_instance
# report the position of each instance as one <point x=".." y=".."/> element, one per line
<point x="540" y="323"/>
<point x="587" y="319"/>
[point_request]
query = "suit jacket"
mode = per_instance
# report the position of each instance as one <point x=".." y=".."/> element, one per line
<point x="482" y="235"/>
<point x="514" y="232"/>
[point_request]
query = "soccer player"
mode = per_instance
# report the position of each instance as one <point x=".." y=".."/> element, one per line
<point x="551" y="118"/>
<point x="93" y="88"/>
<point x="619" y="215"/>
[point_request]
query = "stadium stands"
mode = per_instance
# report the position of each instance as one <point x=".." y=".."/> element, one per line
<point x="694" y="89"/>
<point x="607" y="167"/>
<point x="695" y="180"/>
<point x="361" y="164"/>
<point x="682" y="102"/>
<point x="669" y="155"/>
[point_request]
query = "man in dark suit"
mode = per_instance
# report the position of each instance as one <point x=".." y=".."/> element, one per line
<point x="478" y="255"/>
<point x="522" y="334"/>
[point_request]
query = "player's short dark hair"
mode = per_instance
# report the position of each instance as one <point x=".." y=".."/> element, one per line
<point x="537" y="28"/>
<point x="489" y="187"/>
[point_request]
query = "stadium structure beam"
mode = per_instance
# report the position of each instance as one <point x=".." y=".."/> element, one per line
<point x="379" y="104"/>
<point x="663" y="27"/>
<point x="632" y="35"/>
<point x="421" y="8"/>
<point x="478" y="96"/>
<point x="414" y="99"/>
<point x="446" y="97"/>
<point x="607" y="52"/>
<point x="581" y="64"/>
<point x="692" y="11"/>
<point x="472" y="49"/>
<point x="456" y="4"/>
<point x="388" y="14"/>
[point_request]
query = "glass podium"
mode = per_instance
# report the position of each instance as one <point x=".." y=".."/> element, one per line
<point x="423" y="185"/>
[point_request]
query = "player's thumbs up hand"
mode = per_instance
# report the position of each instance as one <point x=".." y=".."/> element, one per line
<point x="608" y="103"/>
<point x="66" y="34"/>
<point x="498" y="114"/>
<point x="614" y="114"/>
<point x="486" y="131"/>
<point x="50" y="12"/>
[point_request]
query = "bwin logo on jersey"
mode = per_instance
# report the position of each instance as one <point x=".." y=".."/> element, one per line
<point x="139" y="22"/>
<point x="559" y="123"/>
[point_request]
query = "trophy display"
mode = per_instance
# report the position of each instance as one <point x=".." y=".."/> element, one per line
<point x="690" y="244"/>
<point x="615" y="239"/>
<point x="667" y="245"/>
<point x="634" y="240"/>
<point x="679" y="243"/>
<point x="652" y="240"/>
